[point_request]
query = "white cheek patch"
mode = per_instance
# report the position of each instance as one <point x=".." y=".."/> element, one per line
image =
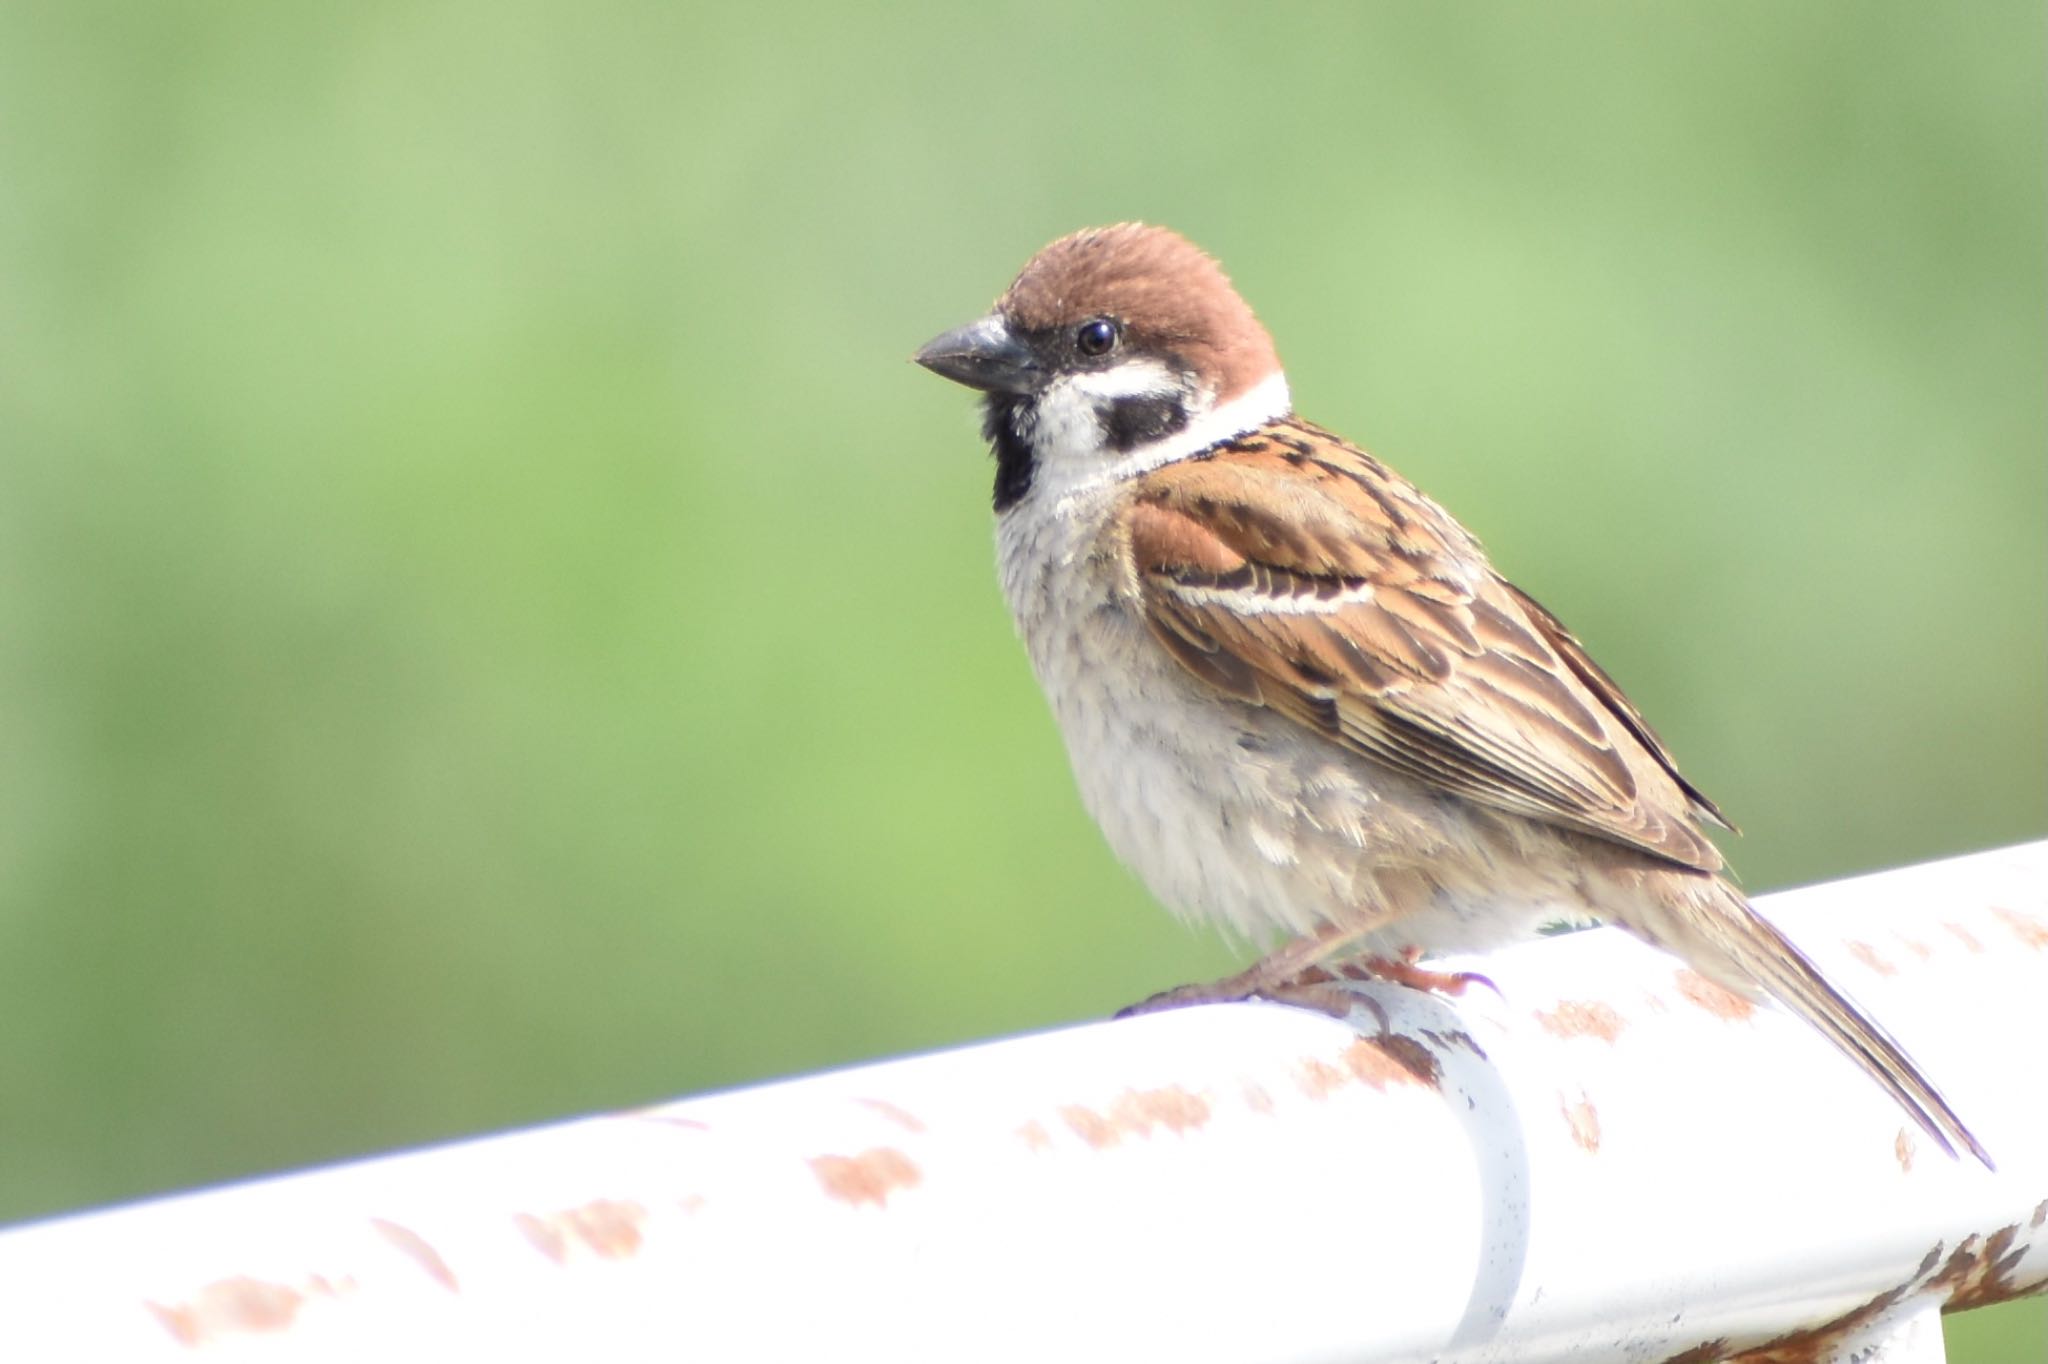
<point x="1069" y="429"/>
<point x="1071" y="457"/>
<point x="1131" y="379"/>
<point x="1087" y="467"/>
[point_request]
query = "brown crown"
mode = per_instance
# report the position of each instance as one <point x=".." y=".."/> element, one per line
<point x="1167" y="294"/>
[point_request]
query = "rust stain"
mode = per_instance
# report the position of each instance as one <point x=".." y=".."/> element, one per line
<point x="1099" y="1132"/>
<point x="1455" y="1039"/>
<point x="1171" y="1107"/>
<point x="1257" y="1099"/>
<point x="1584" y="1121"/>
<point x="607" y="1228"/>
<point x="415" y="1248"/>
<point x="1135" y="1113"/>
<point x="1319" y="1079"/>
<point x="1720" y="1003"/>
<point x="1393" y="1059"/>
<point x="2031" y="932"/>
<point x="869" y="1177"/>
<point x="1371" y="1063"/>
<point x="1820" y="1343"/>
<point x="1903" y="1149"/>
<point x="1963" y="936"/>
<point x="1573" y="1019"/>
<point x="542" y="1236"/>
<point x="228" y="1306"/>
<point x="1706" y="1352"/>
<point x="1976" y="1273"/>
<point x="907" y="1121"/>
<point x="1919" y="949"/>
<point x="1868" y="955"/>
<point x="1034" y="1136"/>
<point x="1377" y="1061"/>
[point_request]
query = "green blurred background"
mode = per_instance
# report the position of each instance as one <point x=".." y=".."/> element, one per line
<point x="494" y="627"/>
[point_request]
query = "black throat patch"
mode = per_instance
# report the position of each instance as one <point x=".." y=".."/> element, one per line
<point x="1006" y="424"/>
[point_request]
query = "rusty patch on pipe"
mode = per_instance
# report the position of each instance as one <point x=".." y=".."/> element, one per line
<point x="905" y="1120"/>
<point x="1573" y="1019"/>
<point x="1976" y="1273"/>
<point x="1318" y="1079"/>
<point x="1091" y="1127"/>
<point x="1706" y="1352"/>
<point x="1902" y="1147"/>
<point x="1171" y="1107"/>
<point x="1134" y="1113"/>
<point x="1084" y="1122"/>
<point x="1378" y="1061"/>
<point x="2031" y="932"/>
<point x="607" y="1228"/>
<point x="1033" y="1134"/>
<point x="1818" y="1344"/>
<point x="415" y="1248"/>
<point x="1722" y="1004"/>
<point x="227" y="1306"/>
<point x="1257" y="1099"/>
<point x="869" y="1177"/>
<point x="1963" y="936"/>
<point x="1454" y="1039"/>
<point x="1868" y="955"/>
<point x="1391" y="1059"/>
<point x="1584" y="1121"/>
<point x="1372" y="1062"/>
<point x="1981" y="1275"/>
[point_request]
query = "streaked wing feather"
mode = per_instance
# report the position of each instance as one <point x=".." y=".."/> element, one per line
<point x="1292" y="570"/>
<point x="1609" y="691"/>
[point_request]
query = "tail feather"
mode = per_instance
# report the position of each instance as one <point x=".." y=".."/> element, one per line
<point x="1757" y="953"/>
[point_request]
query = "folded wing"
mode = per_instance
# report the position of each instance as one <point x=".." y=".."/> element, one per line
<point x="1292" y="570"/>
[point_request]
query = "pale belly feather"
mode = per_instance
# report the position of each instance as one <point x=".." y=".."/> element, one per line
<point x="1232" y="814"/>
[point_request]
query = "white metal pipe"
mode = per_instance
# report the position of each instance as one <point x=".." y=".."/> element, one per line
<point x="1609" y="1160"/>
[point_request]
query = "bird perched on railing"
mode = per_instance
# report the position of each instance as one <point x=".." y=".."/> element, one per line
<point x="1294" y="691"/>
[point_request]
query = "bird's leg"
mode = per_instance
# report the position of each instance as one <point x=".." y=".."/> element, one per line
<point x="1293" y="973"/>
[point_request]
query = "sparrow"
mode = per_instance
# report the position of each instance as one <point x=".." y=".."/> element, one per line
<point x="1295" y="693"/>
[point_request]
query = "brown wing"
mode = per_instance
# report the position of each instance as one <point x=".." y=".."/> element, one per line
<point x="1609" y="691"/>
<point x="1295" y="571"/>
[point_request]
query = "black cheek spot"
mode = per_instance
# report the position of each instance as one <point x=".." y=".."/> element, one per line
<point x="1130" y="422"/>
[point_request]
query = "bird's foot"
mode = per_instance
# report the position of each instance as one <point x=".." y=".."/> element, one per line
<point x="1405" y="970"/>
<point x="1312" y="988"/>
<point x="1229" y="990"/>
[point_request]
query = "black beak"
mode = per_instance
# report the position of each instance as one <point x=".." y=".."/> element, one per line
<point x="986" y="355"/>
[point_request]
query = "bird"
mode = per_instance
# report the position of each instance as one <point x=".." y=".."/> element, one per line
<point x="1296" y="695"/>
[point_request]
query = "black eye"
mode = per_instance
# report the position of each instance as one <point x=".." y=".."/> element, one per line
<point x="1095" y="338"/>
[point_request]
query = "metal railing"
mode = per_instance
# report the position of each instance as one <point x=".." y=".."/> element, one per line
<point x="1610" y="1159"/>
